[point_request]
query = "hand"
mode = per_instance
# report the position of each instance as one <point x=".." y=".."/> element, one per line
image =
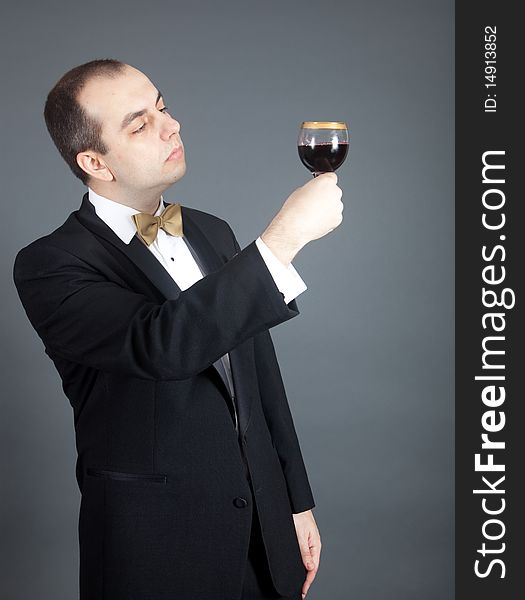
<point x="314" y="209"/>
<point x="309" y="544"/>
<point x="310" y="212"/>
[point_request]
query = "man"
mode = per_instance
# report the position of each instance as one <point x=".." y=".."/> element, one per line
<point x="192" y="480"/>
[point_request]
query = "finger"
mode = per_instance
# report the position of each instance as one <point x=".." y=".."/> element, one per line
<point x="314" y="543"/>
<point x="310" y="576"/>
<point x="306" y="555"/>
<point x="312" y="563"/>
<point x="308" y="559"/>
<point x="308" y="582"/>
<point x="329" y="174"/>
<point x="315" y="553"/>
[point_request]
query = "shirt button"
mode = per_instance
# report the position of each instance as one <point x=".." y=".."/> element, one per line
<point x="172" y="258"/>
<point x="240" y="502"/>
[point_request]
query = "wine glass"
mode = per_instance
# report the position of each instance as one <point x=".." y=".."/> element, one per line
<point x="323" y="145"/>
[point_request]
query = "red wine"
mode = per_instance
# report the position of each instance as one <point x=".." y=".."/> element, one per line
<point x="323" y="158"/>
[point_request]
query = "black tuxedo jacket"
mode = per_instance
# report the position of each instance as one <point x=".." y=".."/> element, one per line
<point x="166" y="507"/>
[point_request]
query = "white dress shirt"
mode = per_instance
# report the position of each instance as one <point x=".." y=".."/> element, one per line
<point x="173" y="254"/>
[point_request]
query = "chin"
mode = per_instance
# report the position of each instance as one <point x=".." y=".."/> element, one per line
<point x="178" y="172"/>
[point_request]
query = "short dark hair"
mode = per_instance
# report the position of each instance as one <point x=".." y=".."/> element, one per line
<point x="70" y="127"/>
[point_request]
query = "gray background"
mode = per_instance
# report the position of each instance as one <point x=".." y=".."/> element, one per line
<point x="368" y="364"/>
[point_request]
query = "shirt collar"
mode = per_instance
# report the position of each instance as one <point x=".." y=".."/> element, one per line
<point x="118" y="216"/>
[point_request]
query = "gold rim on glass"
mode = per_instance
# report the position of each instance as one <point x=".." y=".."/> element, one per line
<point x="323" y="125"/>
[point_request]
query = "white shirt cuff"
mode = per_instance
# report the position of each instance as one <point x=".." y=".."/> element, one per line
<point x="286" y="279"/>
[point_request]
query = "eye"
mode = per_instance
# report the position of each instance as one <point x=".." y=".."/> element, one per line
<point x="141" y="128"/>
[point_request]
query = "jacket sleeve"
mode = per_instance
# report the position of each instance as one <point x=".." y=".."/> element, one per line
<point x="83" y="317"/>
<point x="280" y="423"/>
<point x="279" y="418"/>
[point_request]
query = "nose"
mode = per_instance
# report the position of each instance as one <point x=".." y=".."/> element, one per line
<point x="170" y="126"/>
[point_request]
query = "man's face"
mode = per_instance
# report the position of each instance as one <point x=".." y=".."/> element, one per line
<point x="138" y="131"/>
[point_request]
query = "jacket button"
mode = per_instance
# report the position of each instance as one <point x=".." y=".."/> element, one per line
<point x="240" y="502"/>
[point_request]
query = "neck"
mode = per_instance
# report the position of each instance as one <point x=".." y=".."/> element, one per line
<point x="146" y="201"/>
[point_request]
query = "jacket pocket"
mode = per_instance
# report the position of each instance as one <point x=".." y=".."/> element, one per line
<point x="119" y="476"/>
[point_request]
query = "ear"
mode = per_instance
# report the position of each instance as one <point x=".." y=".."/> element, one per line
<point x="92" y="163"/>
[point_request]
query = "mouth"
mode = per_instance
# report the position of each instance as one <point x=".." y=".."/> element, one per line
<point x="175" y="154"/>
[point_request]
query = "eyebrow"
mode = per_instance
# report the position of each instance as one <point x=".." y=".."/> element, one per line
<point x="130" y="117"/>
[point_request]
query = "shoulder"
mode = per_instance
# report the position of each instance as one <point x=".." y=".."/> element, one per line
<point x="53" y="248"/>
<point x="215" y="228"/>
<point x="205" y="219"/>
<point x="59" y="236"/>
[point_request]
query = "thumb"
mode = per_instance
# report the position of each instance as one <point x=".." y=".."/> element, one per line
<point x="331" y="175"/>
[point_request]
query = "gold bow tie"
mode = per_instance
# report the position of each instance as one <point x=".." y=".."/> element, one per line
<point x="148" y="226"/>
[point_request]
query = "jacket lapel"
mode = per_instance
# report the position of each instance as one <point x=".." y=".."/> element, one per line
<point x="135" y="250"/>
<point x="208" y="261"/>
